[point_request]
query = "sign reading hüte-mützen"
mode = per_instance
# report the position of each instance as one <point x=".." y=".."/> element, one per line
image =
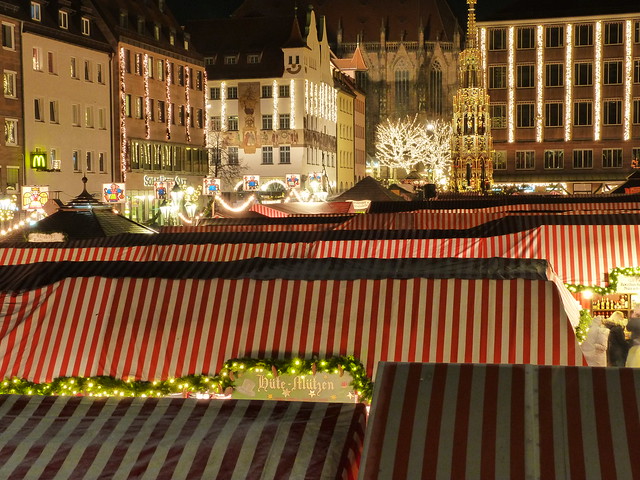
<point x="321" y="387"/>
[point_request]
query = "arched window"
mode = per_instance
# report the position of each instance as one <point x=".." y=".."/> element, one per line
<point x="402" y="85"/>
<point x="435" y="88"/>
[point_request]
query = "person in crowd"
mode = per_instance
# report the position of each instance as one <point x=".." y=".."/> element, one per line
<point x="618" y="347"/>
<point x="594" y="347"/>
<point x="633" y="357"/>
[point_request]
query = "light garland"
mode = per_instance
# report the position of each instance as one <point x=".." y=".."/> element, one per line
<point x="568" y="96"/>
<point x="483" y="55"/>
<point x="597" y="83"/>
<point x="266" y="185"/>
<point x="123" y="114"/>
<point x="8" y="208"/>
<point x="241" y="208"/>
<point x="203" y="386"/>
<point x="147" y="99"/>
<point x="628" y="80"/>
<point x="539" y="83"/>
<point x="511" y="92"/>
<point x="292" y="98"/>
<point x="613" y="281"/>
<point x="167" y="77"/>
<point x="275" y="96"/>
<point x="316" y="103"/>
<point x="306" y="97"/>
<point x="205" y="86"/>
<point x="187" y="96"/>
<point x="223" y="106"/>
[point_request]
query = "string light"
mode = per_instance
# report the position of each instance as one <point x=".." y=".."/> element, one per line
<point x="206" y="109"/>
<point x="539" y="82"/>
<point x="483" y="53"/>
<point x="187" y="97"/>
<point x="123" y="114"/>
<point x="627" y="80"/>
<point x="597" y="84"/>
<point x="274" y="95"/>
<point x="273" y="182"/>
<point x="241" y="208"/>
<point x="568" y="70"/>
<point x="511" y="89"/>
<point x="292" y="97"/>
<point x="306" y="97"/>
<point x="167" y="77"/>
<point x="147" y="99"/>
<point x="223" y="106"/>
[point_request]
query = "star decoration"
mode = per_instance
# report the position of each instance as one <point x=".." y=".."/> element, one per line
<point x="312" y="393"/>
<point x="350" y="395"/>
<point x="286" y="393"/>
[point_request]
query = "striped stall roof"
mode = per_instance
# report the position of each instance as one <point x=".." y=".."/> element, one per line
<point x="157" y="328"/>
<point x="171" y="438"/>
<point x="433" y="421"/>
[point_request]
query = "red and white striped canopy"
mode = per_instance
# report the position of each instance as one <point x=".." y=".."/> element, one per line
<point x="502" y="421"/>
<point x="84" y="437"/>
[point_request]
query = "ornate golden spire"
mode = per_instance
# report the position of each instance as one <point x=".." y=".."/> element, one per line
<point x="472" y="31"/>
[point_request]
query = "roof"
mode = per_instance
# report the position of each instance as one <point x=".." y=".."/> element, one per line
<point x="633" y="182"/>
<point x="369" y="189"/>
<point x="303" y="208"/>
<point x="521" y="9"/>
<point x="356" y="62"/>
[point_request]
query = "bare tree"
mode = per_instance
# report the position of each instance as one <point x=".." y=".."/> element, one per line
<point x="401" y="143"/>
<point x="223" y="163"/>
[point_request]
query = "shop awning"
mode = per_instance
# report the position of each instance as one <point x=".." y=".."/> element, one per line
<point x="85" y="437"/>
<point x="160" y="320"/>
<point x="502" y="421"/>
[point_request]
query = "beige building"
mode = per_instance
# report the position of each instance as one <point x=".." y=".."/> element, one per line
<point x="345" y="132"/>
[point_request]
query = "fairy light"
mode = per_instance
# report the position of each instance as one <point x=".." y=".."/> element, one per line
<point x="223" y="106"/>
<point x="316" y="103"/>
<point x="266" y="185"/>
<point x="597" y="84"/>
<point x="274" y="95"/>
<point x="292" y="98"/>
<point x="627" y="80"/>
<point x="539" y="82"/>
<point x="241" y="208"/>
<point x="187" y="74"/>
<point x="306" y="96"/>
<point x="147" y="99"/>
<point x="511" y="93"/>
<point x="123" y="116"/>
<point x="483" y="54"/>
<point x="568" y="92"/>
<point x="205" y="86"/>
<point x="334" y="104"/>
<point x="167" y="76"/>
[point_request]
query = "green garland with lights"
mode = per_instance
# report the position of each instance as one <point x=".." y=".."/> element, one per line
<point x="104" y="386"/>
<point x="613" y="281"/>
<point x="583" y="325"/>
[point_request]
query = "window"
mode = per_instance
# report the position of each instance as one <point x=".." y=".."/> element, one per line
<point x="267" y="122"/>
<point x="613" y="33"/>
<point x="500" y="160"/>
<point x="230" y="60"/>
<point x="124" y="18"/>
<point x="87" y="71"/>
<point x="497" y="39"/>
<point x="554" y="75"/>
<point x="172" y="37"/>
<point x="636" y="32"/>
<point x="37" y="58"/>
<point x="636" y="111"/>
<point x="38" y="105"/>
<point x="214" y="93"/>
<point x="10" y="132"/>
<point x="51" y="63"/>
<point x="75" y="160"/>
<point x="161" y="112"/>
<point x="215" y="123"/>
<point x="127" y="105"/>
<point x="102" y="119"/>
<point x="127" y="60"/>
<point x="267" y="155"/>
<point x="526" y="38"/>
<point x="137" y="64"/>
<point x="199" y="118"/>
<point x="53" y="112"/>
<point x="583" y="35"/>
<point x="582" y="113"/>
<point x="160" y="70"/>
<point x="156" y="32"/>
<point x="498" y="115"/>
<point x="612" y="158"/>
<point x="150" y="66"/>
<point x="232" y="155"/>
<point x="613" y="72"/>
<point x="402" y="86"/>
<point x="553" y="159"/>
<point x="525" y="160"/>
<point x="63" y="19"/>
<point x="100" y="73"/>
<point x="139" y="110"/>
<point x="554" y="36"/>
<point x="498" y="76"/>
<point x="199" y="80"/>
<point x="284" y="121"/>
<point x="89" y="161"/>
<point x="525" y="115"/>
<point x="8" y="36"/>
<point x="525" y="76"/>
<point x="267" y="91"/>
<point x="636" y="71"/>
<point x="88" y="117"/>
<point x="583" y="159"/>
<point x="36" y="13"/>
<point x="9" y="82"/>
<point x="101" y="163"/>
<point x="209" y="60"/>
<point x="86" y="26"/>
<point x="285" y="154"/>
<point x="232" y="123"/>
<point x="553" y="114"/>
<point x="140" y="25"/>
<point x="583" y="74"/>
<point x="191" y="117"/>
<point x="75" y="115"/>
<point x="252" y="58"/>
<point x="73" y="68"/>
<point x="283" y="90"/>
<point x="232" y="92"/>
<point x="612" y="112"/>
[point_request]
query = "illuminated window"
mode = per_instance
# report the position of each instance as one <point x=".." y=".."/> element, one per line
<point x="553" y="159"/>
<point x="582" y="113"/>
<point x="285" y="154"/>
<point x="612" y="112"/>
<point x="554" y="75"/>
<point x="266" y="91"/>
<point x="612" y="158"/>
<point x="75" y="160"/>
<point x="526" y="38"/>
<point x="498" y="76"/>
<point x="8" y="30"/>
<point x="100" y="73"/>
<point x="613" y="33"/>
<point x="253" y="58"/>
<point x="553" y="114"/>
<point x="161" y="111"/>
<point x="232" y="123"/>
<point x="9" y="82"/>
<point x="232" y="155"/>
<point x="583" y="35"/>
<point x="13" y="174"/>
<point x="36" y="13"/>
<point x="172" y="37"/>
<point x="156" y="32"/>
<point x="525" y="160"/>
<point x="267" y="122"/>
<point x="89" y="161"/>
<point x="284" y="121"/>
<point x="583" y="74"/>
<point x="63" y="19"/>
<point x="36" y="57"/>
<point x="127" y="105"/>
<point x="613" y="72"/>
<point x="525" y="115"/>
<point x="525" y="76"/>
<point x="73" y="68"/>
<point x="139" y="108"/>
<point x="554" y="36"/>
<point x="86" y="26"/>
<point x="499" y="160"/>
<point x="215" y="123"/>
<point x="214" y="93"/>
<point x="498" y="115"/>
<point x="267" y="155"/>
<point x="138" y="64"/>
<point x="181" y="115"/>
<point x="232" y="93"/>
<point x="230" y="60"/>
<point x="497" y="39"/>
<point x="124" y="18"/>
<point x="88" y="117"/>
<point x="583" y="159"/>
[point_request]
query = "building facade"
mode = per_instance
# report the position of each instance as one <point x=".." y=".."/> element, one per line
<point x="565" y="98"/>
<point x="345" y="132"/>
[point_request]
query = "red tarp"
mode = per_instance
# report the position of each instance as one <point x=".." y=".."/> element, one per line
<point x="502" y="421"/>
<point x="84" y="437"/>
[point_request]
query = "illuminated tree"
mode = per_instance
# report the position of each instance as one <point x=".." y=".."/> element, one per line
<point x="222" y="164"/>
<point x="401" y="143"/>
<point x="437" y="160"/>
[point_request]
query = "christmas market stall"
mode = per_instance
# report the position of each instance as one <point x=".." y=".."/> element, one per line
<point x="502" y="421"/>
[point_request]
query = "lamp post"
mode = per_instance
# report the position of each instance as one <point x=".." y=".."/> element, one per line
<point x="176" y="198"/>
